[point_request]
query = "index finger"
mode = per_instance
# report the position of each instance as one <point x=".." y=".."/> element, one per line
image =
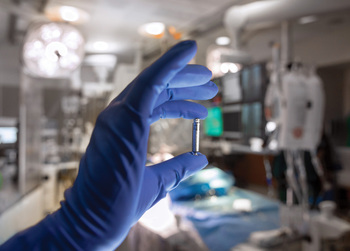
<point x="153" y="80"/>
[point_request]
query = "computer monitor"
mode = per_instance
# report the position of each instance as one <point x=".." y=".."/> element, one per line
<point x="232" y="91"/>
<point x="232" y="126"/>
<point x="253" y="121"/>
<point x="254" y="80"/>
<point x="8" y="135"/>
<point x="8" y="132"/>
<point x="213" y="124"/>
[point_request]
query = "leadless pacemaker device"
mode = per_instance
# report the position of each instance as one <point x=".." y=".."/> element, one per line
<point x="195" y="136"/>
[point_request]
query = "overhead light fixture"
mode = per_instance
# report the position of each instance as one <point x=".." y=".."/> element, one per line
<point x="154" y="29"/>
<point x="100" y="46"/>
<point x="53" y="50"/>
<point x="227" y="67"/>
<point x="59" y="13"/>
<point x="307" y="19"/>
<point x="223" y="40"/>
<point x="223" y="60"/>
<point x="103" y="45"/>
<point x="69" y="14"/>
<point x="105" y="60"/>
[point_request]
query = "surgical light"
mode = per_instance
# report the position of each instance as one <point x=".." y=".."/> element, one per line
<point x="53" y="50"/>
<point x="223" y="41"/>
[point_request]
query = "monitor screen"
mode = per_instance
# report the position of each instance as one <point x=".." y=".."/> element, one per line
<point x="8" y="135"/>
<point x="254" y="80"/>
<point x="252" y="120"/>
<point x="232" y="91"/>
<point x="232" y="121"/>
<point x="213" y="124"/>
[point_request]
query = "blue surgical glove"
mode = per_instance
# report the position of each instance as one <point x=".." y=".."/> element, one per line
<point x="113" y="187"/>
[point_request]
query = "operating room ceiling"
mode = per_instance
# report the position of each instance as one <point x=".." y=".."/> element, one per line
<point x="118" y="21"/>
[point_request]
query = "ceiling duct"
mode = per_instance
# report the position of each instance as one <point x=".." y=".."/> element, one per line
<point x="275" y="11"/>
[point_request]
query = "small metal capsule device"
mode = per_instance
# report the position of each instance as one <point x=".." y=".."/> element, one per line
<point x="195" y="136"/>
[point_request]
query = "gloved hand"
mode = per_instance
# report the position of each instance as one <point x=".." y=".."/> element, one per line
<point x="113" y="187"/>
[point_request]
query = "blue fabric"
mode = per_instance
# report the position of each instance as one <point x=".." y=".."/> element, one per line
<point x="202" y="183"/>
<point x="220" y="226"/>
<point x="224" y="232"/>
<point x="113" y="187"/>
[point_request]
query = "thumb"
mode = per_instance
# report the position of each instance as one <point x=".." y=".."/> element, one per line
<point x="161" y="178"/>
<point x="170" y="173"/>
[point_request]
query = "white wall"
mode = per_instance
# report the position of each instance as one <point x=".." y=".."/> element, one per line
<point x="25" y="213"/>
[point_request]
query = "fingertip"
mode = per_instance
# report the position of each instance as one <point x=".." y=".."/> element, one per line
<point x="154" y="79"/>
<point x="187" y="43"/>
<point x="214" y="87"/>
<point x="188" y="46"/>
<point x="198" y="111"/>
<point x="198" y="158"/>
<point x="204" y="114"/>
<point x="204" y="71"/>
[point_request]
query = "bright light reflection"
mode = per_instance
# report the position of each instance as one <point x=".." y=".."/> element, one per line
<point x="244" y="205"/>
<point x="217" y="183"/>
<point x="155" y="28"/>
<point x="8" y="135"/>
<point x="271" y="126"/>
<point x="273" y="144"/>
<point x="100" y="46"/>
<point x="69" y="13"/>
<point x="160" y="219"/>
<point x="256" y="144"/>
<point x="229" y="67"/>
<point x="208" y="173"/>
<point x="223" y="41"/>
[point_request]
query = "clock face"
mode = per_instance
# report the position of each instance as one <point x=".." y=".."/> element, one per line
<point x="53" y="50"/>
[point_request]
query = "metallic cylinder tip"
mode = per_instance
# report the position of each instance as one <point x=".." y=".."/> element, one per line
<point x="195" y="136"/>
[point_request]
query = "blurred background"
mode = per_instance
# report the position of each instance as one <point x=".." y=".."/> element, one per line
<point x="277" y="135"/>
